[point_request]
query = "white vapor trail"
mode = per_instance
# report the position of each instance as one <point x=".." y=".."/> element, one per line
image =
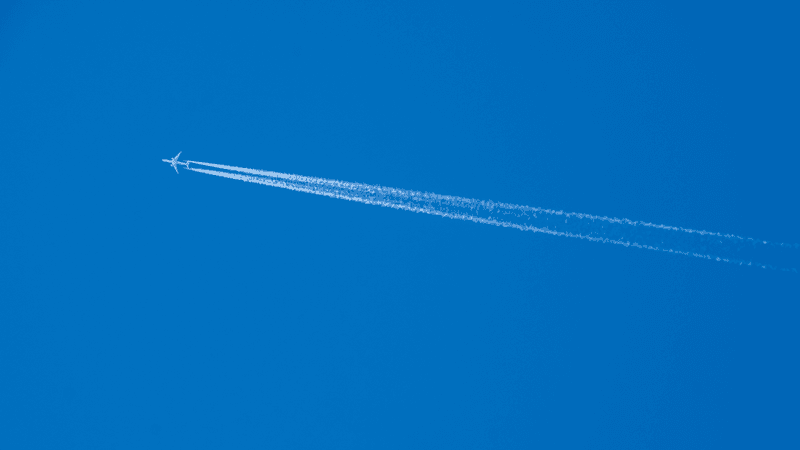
<point x="702" y="244"/>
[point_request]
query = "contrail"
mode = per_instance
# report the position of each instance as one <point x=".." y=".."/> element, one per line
<point x="684" y="241"/>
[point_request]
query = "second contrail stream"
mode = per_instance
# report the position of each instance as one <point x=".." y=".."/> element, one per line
<point x="684" y="241"/>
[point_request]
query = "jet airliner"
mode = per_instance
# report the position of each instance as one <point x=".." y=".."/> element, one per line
<point x="174" y="162"/>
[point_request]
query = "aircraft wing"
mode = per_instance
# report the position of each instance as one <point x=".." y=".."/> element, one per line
<point x="176" y="168"/>
<point x="176" y="156"/>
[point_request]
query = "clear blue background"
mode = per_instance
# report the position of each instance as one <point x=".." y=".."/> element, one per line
<point x="142" y="309"/>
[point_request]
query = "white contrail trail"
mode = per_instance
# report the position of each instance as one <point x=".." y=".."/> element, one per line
<point x="698" y="243"/>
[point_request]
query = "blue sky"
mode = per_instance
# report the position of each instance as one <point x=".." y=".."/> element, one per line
<point x="139" y="308"/>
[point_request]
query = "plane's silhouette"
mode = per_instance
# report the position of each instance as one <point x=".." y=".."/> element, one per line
<point x="174" y="162"/>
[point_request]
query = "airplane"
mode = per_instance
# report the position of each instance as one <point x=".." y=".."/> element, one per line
<point x="174" y="162"/>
